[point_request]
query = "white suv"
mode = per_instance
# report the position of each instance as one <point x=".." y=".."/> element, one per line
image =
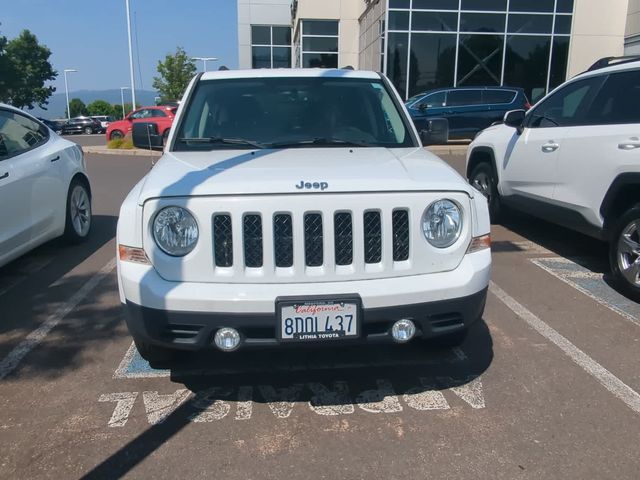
<point x="573" y="159"/>
<point x="298" y="206"/>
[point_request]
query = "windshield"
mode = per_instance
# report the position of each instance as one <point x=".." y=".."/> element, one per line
<point x="289" y="112"/>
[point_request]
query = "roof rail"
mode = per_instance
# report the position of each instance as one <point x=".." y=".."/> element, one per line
<point x="610" y="61"/>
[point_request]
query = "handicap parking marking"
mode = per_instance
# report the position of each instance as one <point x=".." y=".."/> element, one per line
<point x="335" y="398"/>
<point x="134" y="366"/>
<point x="591" y="284"/>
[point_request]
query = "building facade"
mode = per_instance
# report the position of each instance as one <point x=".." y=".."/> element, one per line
<point x="424" y="44"/>
<point x="632" y="34"/>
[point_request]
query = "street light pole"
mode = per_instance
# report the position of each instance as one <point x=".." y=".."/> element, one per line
<point x="205" y="60"/>
<point x="133" y="87"/>
<point x="122" y="89"/>
<point x="66" y="89"/>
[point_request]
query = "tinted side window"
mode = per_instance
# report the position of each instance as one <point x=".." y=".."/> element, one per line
<point x="434" y="100"/>
<point x="141" y="114"/>
<point x="19" y="134"/>
<point x="158" y="113"/>
<point x="498" y="96"/>
<point x="567" y="107"/>
<point x="459" y="98"/>
<point x="618" y="101"/>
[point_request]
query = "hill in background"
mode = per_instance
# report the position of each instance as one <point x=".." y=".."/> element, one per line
<point x="58" y="103"/>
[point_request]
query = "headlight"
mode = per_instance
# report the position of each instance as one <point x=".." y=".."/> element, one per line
<point x="442" y="223"/>
<point x="175" y="231"/>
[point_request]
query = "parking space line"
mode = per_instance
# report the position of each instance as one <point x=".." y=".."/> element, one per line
<point x="608" y="380"/>
<point x="579" y="278"/>
<point x="13" y="359"/>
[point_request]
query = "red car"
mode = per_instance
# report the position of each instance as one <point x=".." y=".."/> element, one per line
<point x="162" y="116"/>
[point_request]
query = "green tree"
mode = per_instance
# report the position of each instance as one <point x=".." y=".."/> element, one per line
<point x="77" y="108"/>
<point x="25" y="66"/>
<point x="100" y="107"/>
<point x="176" y="72"/>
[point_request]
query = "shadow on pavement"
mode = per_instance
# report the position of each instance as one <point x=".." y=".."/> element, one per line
<point x="417" y="367"/>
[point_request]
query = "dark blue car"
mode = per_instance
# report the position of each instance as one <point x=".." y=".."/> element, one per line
<point x="468" y="109"/>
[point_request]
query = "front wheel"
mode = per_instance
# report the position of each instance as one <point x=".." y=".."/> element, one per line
<point x="88" y="130"/>
<point x="624" y="253"/>
<point x="483" y="178"/>
<point x="78" y="219"/>
<point x="116" y="134"/>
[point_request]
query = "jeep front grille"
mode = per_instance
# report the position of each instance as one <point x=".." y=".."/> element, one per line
<point x="313" y="240"/>
<point x="372" y="237"/>
<point x="343" y="238"/>
<point x="283" y="240"/>
<point x="252" y="239"/>
<point x="223" y="240"/>
<point x="314" y="230"/>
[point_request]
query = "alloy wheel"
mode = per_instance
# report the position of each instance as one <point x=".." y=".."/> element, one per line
<point x="80" y="209"/>
<point x="629" y="253"/>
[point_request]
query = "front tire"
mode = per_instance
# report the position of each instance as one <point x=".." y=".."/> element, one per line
<point x="484" y="179"/>
<point x="624" y="253"/>
<point x="78" y="216"/>
<point x="116" y="134"/>
<point x="88" y="130"/>
<point x="152" y="353"/>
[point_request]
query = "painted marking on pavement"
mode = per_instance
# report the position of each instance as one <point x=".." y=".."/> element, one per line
<point x="608" y="380"/>
<point x="329" y="400"/>
<point x="134" y="366"/>
<point x="13" y="358"/>
<point x="591" y="284"/>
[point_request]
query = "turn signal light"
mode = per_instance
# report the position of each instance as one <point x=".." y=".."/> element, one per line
<point x="479" y="243"/>
<point x="132" y="254"/>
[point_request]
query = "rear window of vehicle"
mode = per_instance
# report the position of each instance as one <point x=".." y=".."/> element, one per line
<point x="498" y="96"/>
<point x="460" y="98"/>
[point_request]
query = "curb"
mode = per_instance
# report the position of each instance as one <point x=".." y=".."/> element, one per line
<point x="449" y="149"/>
<point x="136" y="152"/>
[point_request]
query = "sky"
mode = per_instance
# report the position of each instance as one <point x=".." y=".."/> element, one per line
<point x="91" y="36"/>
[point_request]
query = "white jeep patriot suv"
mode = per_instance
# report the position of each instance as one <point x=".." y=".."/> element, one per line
<point x="573" y="159"/>
<point x="298" y="206"/>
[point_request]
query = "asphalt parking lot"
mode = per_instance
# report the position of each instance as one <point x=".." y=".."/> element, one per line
<point x="88" y="140"/>
<point x="546" y="385"/>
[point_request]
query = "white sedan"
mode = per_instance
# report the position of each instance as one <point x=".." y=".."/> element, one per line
<point x="44" y="187"/>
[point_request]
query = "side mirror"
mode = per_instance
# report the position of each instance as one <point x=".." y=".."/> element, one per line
<point x="436" y="132"/>
<point x="515" y="119"/>
<point x="422" y="107"/>
<point x="146" y="136"/>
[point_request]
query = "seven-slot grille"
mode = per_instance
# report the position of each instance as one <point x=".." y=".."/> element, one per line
<point x="344" y="243"/>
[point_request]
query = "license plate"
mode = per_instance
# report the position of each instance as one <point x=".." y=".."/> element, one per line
<point x="318" y="320"/>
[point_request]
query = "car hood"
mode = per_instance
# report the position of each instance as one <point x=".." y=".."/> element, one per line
<point x="299" y="171"/>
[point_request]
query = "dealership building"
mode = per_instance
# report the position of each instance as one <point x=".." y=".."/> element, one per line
<point x="425" y="44"/>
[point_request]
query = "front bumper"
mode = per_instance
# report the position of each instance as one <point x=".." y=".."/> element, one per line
<point x="187" y="315"/>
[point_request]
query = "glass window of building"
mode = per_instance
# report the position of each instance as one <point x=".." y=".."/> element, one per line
<point x="463" y="43"/>
<point x="319" y="44"/>
<point x="270" y="46"/>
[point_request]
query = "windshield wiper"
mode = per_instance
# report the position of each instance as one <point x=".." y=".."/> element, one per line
<point x="222" y="140"/>
<point x="322" y="141"/>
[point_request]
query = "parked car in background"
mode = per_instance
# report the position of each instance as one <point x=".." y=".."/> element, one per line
<point x="162" y="116"/>
<point x="469" y="110"/>
<point x="573" y="159"/>
<point x="44" y="187"/>
<point x="55" y="125"/>
<point x="86" y="125"/>
<point x="104" y="120"/>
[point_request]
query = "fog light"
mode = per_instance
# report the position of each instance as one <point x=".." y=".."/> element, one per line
<point x="403" y="330"/>
<point x="227" y="339"/>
